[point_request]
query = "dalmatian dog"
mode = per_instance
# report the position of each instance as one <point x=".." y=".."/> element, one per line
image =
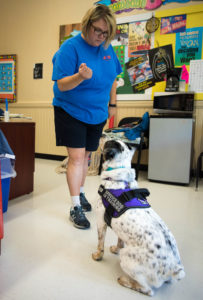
<point x="147" y="249"/>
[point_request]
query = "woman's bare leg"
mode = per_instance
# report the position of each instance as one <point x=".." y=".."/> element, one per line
<point x="77" y="169"/>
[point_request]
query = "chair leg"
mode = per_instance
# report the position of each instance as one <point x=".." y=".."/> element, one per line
<point x="199" y="162"/>
<point x="139" y="156"/>
<point x="138" y="163"/>
<point x="100" y="165"/>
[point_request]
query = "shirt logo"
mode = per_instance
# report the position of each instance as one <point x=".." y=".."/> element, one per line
<point x="107" y="57"/>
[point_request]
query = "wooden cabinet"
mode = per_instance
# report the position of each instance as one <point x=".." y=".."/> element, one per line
<point x="20" y="135"/>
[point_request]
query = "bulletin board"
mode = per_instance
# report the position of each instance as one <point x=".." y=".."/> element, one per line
<point x="184" y="27"/>
<point x="192" y="36"/>
<point x="8" y="78"/>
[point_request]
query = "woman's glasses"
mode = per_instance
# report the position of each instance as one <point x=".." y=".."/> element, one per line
<point x="99" y="32"/>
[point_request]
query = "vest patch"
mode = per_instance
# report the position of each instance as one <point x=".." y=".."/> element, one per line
<point x="118" y="201"/>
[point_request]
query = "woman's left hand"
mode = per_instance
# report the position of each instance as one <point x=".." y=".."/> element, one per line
<point x="112" y="111"/>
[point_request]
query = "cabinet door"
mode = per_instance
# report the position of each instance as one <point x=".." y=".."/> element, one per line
<point x="170" y="143"/>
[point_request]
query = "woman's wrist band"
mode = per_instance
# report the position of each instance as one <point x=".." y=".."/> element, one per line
<point x="112" y="105"/>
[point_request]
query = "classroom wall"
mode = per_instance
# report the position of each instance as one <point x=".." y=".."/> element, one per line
<point x="30" y="29"/>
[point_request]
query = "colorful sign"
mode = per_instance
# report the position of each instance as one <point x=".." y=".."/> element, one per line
<point x="140" y="73"/>
<point x="188" y="46"/>
<point x="120" y="6"/>
<point x="6" y="83"/>
<point x="173" y="24"/>
<point x="8" y="78"/>
<point x="139" y="38"/>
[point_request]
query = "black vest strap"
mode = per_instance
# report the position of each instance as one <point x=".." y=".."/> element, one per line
<point x="138" y="193"/>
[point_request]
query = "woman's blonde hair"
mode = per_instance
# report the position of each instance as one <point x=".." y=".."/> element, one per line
<point x="96" y="13"/>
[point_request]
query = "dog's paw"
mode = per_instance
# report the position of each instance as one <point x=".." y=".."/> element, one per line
<point x="98" y="255"/>
<point x="134" y="285"/>
<point x="114" y="249"/>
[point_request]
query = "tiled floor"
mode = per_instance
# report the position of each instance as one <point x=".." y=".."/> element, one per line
<point x="45" y="257"/>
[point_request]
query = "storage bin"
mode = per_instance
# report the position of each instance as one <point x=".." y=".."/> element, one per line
<point x="7" y="172"/>
<point x="5" y="187"/>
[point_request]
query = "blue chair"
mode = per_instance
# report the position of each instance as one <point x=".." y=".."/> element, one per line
<point x="143" y="141"/>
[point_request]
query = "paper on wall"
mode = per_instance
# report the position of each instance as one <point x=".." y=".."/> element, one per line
<point x="196" y="76"/>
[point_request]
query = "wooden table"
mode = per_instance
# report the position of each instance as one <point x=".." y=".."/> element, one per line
<point x="20" y="134"/>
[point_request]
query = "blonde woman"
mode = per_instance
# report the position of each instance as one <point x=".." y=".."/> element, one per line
<point x="84" y="70"/>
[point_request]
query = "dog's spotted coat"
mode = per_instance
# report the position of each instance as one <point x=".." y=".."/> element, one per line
<point x="148" y="251"/>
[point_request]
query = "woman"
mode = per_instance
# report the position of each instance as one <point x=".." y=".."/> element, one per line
<point x="84" y="70"/>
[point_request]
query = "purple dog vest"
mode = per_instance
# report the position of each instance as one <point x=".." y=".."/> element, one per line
<point x="118" y="201"/>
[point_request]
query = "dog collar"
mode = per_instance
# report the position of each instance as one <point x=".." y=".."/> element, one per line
<point x="110" y="169"/>
<point x="126" y="182"/>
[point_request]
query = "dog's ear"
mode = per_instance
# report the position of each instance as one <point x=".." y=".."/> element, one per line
<point x="131" y="146"/>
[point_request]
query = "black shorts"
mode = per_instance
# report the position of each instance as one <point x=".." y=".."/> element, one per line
<point x="73" y="133"/>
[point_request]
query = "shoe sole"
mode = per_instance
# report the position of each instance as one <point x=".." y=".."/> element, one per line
<point x="76" y="225"/>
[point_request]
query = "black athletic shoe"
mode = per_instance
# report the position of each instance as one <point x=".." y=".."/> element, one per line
<point x="86" y="206"/>
<point x="78" y="218"/>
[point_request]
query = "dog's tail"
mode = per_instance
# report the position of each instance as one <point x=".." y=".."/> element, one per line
<point x="179" y="272"/>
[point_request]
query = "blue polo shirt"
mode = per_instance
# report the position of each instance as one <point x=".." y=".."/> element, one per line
<point x="88" y="102"/>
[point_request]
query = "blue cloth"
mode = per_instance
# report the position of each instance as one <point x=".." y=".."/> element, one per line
<point x="135" y="132"/>
<point x="88" y="102"/>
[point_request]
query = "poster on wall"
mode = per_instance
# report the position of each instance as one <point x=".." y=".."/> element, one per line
<point x="173" y="24"/>
<point x="139" y="38"/>
<point x="140" y="73"/>
<point x="8" y="78"/>
<point x="196" y="75"/>
<point x="188" y="46"/>
<point x="161" y="60"/>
